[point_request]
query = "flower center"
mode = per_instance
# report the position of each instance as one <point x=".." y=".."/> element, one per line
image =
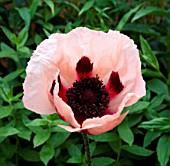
<point x="88" y="98"/>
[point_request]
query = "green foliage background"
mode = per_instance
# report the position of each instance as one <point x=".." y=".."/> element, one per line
<point x="30" y="139"/>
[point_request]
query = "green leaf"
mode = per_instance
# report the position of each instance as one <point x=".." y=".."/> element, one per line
<point x="134" y="119"/>
<point x="25" y="15"/>
<point x="46" y="153"/>
<point x="140" y="28"/>
<point x="105" y="137"/>
<point x="116" y="145"/>
<point x="58" y="138"/>
<point x="8" y="149"/>
<point x="157" y="101"/>
<point x="149" y="137"/>
<point x="9" y="54"/>
<point x="22" y="37"/>
<point x="72" y="5"/>
<point x="7" y="131"/>
<point x="151" y="10"/>
<point x="92" y="147"/>
<point x="126" y="133"/>
<point x="5" y="47"/>
<point x="11" y="36"/>
<point x="50" y="3"/>
<point x="38" y="122"/>
<point x="163" y="150"/>
<point x="140" y="151"/>
<point x="5" y="111"/>
<point x="11" y="76"/>
<point x="33" y="7"/>
<point x="158" y="87"/>
<point x="46" y="32"/>
<point x="86" y="6"/>
<point x="157" y="124"/>
<point x="148" y="55"/>
<point x="138" y="107"/>
<point x="126" y="17"/>
<point x="41" y="137"/>
<point x="75" y="160"/>
<point x="37" y="39"/>
<point x="103" y="161"/>
<point x="151" y="73"/>
<point x="73" y="150"/>
<point x="29" y="155"/>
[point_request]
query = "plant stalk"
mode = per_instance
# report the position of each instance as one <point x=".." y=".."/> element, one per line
<point x="87" y="148"/>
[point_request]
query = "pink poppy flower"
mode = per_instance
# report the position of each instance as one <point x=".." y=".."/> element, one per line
<point x="87" y="77"/>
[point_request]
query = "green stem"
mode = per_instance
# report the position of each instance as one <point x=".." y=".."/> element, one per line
<point x="87" y="148"/>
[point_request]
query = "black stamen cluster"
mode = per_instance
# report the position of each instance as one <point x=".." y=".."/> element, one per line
<point x="88" y="97"/>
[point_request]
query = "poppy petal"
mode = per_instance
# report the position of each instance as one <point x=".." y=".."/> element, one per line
<point x="40" y="74"/>
<point x="110" y="123"/>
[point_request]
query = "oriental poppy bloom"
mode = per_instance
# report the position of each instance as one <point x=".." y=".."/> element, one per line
<point x="85" y="76"/>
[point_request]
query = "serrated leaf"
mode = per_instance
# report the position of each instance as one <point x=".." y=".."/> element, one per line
<point x="86" y="6"/>
<point x="149" y="137"/>
<point x="126" y="133"/>
<point x="140" y="151"/>
<point x="46" y="153"/>
<point x="163" y="150"/>
<point x="41" y="137"/>
<point x="126" y="17"/>
<point x="103" y="161"/>
<point x="148" y="55"/>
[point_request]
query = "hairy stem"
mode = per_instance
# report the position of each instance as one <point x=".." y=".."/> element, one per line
<point x="87" y="148"/>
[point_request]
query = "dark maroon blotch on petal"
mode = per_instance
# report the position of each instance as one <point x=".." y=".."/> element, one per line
<point x="62" y="89"/>
<point x="52" y="87"/>
<point x="114" y="85"/>
<point x="84" y="67"/>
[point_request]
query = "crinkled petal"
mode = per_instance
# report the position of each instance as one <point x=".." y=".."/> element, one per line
<point x="41" y="71"/>
<point x="78" y="129"/>
<point x="109" y="124"/>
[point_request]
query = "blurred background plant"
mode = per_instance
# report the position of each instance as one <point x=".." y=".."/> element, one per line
<point x="29" y="139"/>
